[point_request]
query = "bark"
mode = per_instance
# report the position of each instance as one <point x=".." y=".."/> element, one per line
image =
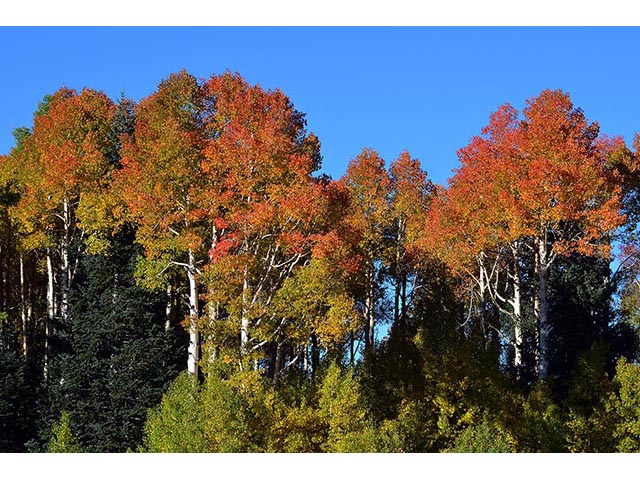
<point x="400" y="294"/>
<point x="65" y="277"/>
<point x="351" y="349"/>
<point x="244" y="320"/>
<point x="517" y="311"/>
<point x="51" y="312"/>
<point x="213" y="306"/>
<point x="302" y="352"/>
<point x="396" y="302"/>
<point x="24" y="308"/>
<point x="192" y="362"/>
<point x="482" y="287"/>
<point x="398" y="274"/>
<point x="369" y="346"/>
<point x="168" y="308"/>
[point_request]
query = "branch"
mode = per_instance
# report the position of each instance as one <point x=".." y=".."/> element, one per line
<point x="502" y="335"/>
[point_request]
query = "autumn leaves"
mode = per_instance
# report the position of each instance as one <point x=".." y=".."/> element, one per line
<point x="278" y="264"/>
<point x="527" y="191"/>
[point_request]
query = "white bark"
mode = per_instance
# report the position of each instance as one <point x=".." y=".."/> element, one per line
<point x="65" y="276"/>
<point x="516" y="304"/>
<point x="370" y="320"/>
<point x="192" y="362"/>
<point x="482" y="287"/>
<point x="24" y="310"/>
<point x="244" y="320"/>
<point x="51" y="312"/>
<point x="168" y="308"/>
<point x="517" y="331"/>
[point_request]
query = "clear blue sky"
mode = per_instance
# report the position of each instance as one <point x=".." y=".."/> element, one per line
<point x="427" y="90"/>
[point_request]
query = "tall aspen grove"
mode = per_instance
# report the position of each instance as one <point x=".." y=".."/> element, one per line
<point x="178" y="275"/>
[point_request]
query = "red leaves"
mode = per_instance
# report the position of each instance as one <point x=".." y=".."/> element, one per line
<point x="546" y="174"/>
<point x="222" y="248"/>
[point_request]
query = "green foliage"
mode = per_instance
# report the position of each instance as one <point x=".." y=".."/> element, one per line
<point x="343" y="409"/>
<point x="486" y="437"/>
<point x="151" y="273"/>
<point x="15" y="411"/>
<point x="588" y="425"/>
<point x="115" y="358"/>
<point x="625" y="405"/>
<point x="581" y="314"/>
<point x="176" y="424"/>
<point x="237" y="408"/>
<point x="219" y="174"/>
<point x="63" y="439"/>
<point x="540" y="426"/>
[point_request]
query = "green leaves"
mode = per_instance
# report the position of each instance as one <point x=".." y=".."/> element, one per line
<point x="63" y="439"/>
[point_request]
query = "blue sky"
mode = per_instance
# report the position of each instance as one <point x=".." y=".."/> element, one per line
<point x="426" y="90"/>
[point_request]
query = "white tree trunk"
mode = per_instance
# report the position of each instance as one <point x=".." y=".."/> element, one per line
<point x="24" y="310"/>
<point x="51" y="312"/>
<point x="370" y="320"/>
<point x="192" y="362"/>
<point x="244" y="320"/>
<point x="65" y="277"/>
<point x="517" y="312"/>
<point x="168" y="308"/>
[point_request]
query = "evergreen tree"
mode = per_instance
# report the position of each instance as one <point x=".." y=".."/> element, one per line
<point x="117" y="357"/>
<point x="15" y="400"/>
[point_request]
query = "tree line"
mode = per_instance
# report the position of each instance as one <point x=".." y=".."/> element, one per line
<point x="176" y="275"/>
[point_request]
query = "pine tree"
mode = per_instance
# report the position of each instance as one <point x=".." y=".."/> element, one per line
<point x="117" y="359"/>
<point x="16" y="421"/>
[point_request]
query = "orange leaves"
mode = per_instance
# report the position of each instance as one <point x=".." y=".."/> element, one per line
<point x="161" y="181"/>
<point x="546" y="174"/>
<point x="65" y="160"/>
<point x="369" y="189"/>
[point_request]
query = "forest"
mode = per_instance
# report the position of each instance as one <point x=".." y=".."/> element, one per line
<point x="176" y="275"/>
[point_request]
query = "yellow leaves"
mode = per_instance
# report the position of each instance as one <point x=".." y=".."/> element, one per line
<point x="319" y="302"/>
<point x="95" y="218"/>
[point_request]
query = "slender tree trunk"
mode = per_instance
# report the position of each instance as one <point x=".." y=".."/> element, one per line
<point x="351" y="349"/>
<point x="401" y="281"/>
<point x="396" y="302"/>
<point x="24" y="308"/>
<point x="482" y="287"/>
<point x="212" y="306"/>
<point x="65" y="277"/>
<point x="192" y="362"/>
<point x="305" y="358"/>
<point x="244" y="320"/>
<point x="517" y="311"/>
<point x="168" y="310"/>
<point x="543" y="311"/>
<point x="369" y="346"/>
<point x="51" y="312"/>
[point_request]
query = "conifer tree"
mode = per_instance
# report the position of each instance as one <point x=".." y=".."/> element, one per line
<point x="117" y="358"/>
